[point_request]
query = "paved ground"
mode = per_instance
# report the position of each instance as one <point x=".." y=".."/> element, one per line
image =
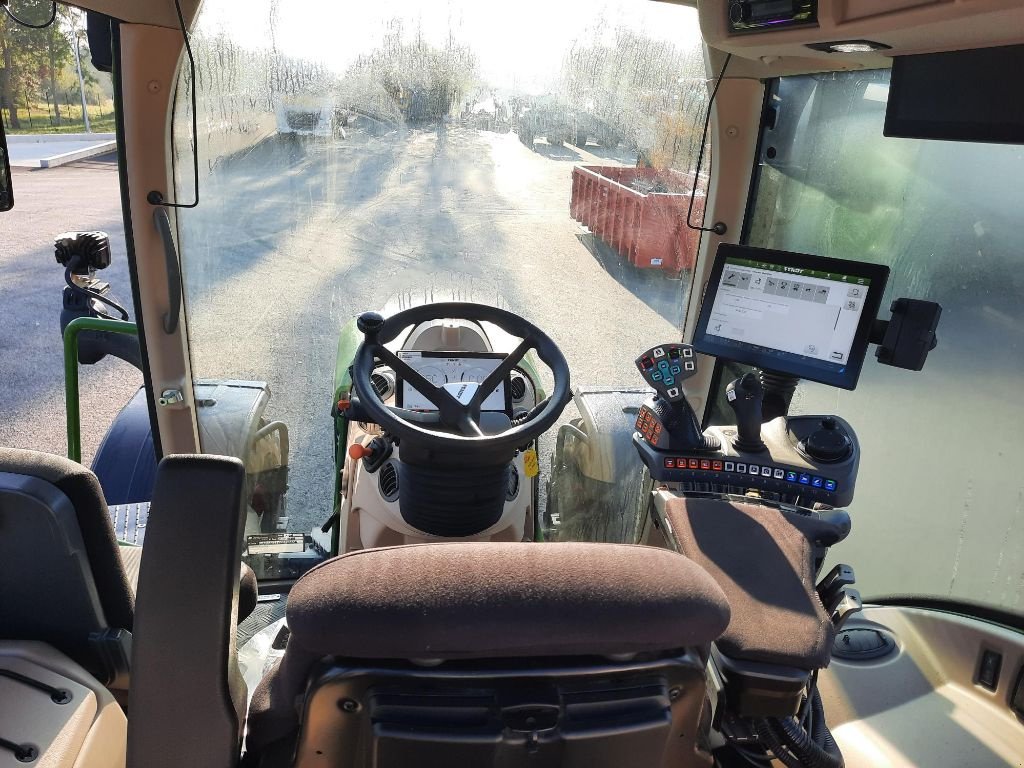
<point x="47" y="202"/>
<point x="51" y="151"/>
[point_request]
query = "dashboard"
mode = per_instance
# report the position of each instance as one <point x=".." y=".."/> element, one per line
<point x="459" y="373"/>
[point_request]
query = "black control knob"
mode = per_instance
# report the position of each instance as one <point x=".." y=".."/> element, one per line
<point x="745" y="395"/>
<point x="828" y="444"/>
<point x="370" y="323"/>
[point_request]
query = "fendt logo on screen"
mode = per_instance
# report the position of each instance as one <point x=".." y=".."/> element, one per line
<point x="794" y="270"/>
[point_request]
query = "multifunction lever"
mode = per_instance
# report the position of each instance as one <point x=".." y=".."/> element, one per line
<point x="745" y="395"/>
<point x="665" y="367"/>
<point x="668" y="423"/>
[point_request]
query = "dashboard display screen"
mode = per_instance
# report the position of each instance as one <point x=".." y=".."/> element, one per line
<point x="806" y="316"/>
<point x="454" y="371"/>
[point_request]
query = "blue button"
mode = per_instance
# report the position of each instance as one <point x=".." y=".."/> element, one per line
<point x="663" y="365"/>
<point x="830" y="485"/>
<point x="670" y="380"/>
<point x="817" y="482"/>
<point x="805" y="479"/>
<point x="656" y="376"/>
<point x="791" y="477"/>
<point x="676" y="369"/>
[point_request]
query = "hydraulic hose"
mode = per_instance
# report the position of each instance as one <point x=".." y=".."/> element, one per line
<point x="766" y="734"/>
<point x="819" y="728"/>
<point x="814" y="750"/>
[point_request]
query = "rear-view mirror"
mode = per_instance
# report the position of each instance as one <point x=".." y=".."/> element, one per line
<point x="6" y="191"/>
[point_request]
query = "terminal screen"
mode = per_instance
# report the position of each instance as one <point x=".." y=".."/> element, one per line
<point x="802" y="315"/>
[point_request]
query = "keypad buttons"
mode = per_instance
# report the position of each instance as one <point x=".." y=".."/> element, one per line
<point x="656" y="376"/>
<point x="791" y="477"/>
<point x="754" y="469"/>
<point x="779" y="474"/>
<point x="805" y="479"/>
<point x="830" y="485"/>
<point x="674" y="391"/>
<point x="659" y="352"/>
<point x="817" y="482"/>
<point x="766" y="471"/>
<point x="687" y="352"/>
<point x="730" y="466"/>
<point x="741" y="467"/>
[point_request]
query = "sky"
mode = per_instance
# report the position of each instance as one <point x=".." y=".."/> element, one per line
<point x="516" y="43"/>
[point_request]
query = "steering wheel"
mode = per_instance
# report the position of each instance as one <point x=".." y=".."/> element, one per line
<point x="455" y="425"/>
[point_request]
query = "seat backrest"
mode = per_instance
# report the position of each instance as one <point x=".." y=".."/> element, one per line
<point x="60" y="574"/>
<point x="469" y="653"/>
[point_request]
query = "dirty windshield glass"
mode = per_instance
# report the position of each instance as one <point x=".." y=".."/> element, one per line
<point x="940" y="498"/>
<point x="352" y="153"/>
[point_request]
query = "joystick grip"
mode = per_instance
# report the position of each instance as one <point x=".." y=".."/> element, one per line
<point x="745" y="395"/>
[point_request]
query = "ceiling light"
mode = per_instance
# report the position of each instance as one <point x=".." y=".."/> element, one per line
<point x="849" y="46"/>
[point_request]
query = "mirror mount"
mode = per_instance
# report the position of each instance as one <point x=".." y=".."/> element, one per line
<point x="6" y="188"/>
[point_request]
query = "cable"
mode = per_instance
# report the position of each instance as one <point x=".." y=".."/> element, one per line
<point x="719" y="228"/>
<point x="72" y="264"/>
<point x="44" y="25"/>
<point x="154" y="197"/>
<point x="770" y="740"/>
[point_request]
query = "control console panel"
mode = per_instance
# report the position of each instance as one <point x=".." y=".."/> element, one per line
<point x="787" y="470"/>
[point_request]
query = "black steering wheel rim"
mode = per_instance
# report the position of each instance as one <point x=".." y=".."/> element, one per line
<point x="380" y="331"/>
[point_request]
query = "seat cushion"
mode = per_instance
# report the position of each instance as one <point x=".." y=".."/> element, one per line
<point x="484" y="600"/>
<point x="764" y="560"/>
<point x="83" y="491"/>
<point x="492" y="600"/>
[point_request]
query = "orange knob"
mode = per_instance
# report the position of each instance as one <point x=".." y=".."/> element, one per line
<point x="359" y="451"/>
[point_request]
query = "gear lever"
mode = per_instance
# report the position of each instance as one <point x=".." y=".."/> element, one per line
<point x="745" y="395"/>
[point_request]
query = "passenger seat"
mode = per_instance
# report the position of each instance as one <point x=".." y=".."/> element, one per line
<point x="64" y="580"/>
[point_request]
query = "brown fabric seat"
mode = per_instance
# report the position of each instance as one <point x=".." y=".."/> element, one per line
<point x="764" y="561"/>
<point x="482" y="600"/>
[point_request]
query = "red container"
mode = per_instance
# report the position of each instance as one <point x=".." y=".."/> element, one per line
<point x="640" y="213"/>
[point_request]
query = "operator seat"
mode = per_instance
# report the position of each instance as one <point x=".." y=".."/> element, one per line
<point x="64" y="579"/>
<point x="487" y="653"/>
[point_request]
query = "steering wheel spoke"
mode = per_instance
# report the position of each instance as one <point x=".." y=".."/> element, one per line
<point x="498" y="375"/>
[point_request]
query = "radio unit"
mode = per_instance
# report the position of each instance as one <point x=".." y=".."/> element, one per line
<point x="765" y="15"/>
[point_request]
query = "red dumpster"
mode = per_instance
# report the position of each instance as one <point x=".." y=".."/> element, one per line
<point x="640" y="213"/>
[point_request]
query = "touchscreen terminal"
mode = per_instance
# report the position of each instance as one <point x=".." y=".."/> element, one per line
<point x="452" y="371"/>
<point x="792" y="313"/>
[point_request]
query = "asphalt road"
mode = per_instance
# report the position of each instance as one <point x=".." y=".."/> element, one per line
<point x="83" y="195"/>
<point x="297" y="236"/>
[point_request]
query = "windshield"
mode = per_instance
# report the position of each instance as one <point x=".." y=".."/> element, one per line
<point x="940" y="498"/>
<point x="349" y="153"/>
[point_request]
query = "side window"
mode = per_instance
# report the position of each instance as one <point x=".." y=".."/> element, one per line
<point x="940" y="498"/>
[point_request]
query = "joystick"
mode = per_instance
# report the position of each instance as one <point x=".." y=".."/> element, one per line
<point x="745" y="395"/>
<point x="668" y="423"/>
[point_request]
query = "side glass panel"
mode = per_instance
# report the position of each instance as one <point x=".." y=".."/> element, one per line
<point x="940" y="498"/>
<point x="356" y="157"/>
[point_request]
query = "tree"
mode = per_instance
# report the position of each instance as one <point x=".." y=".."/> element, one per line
<point x="30" y="56"/>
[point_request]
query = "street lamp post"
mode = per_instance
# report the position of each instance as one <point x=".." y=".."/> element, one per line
<point x="81" y="80"/>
